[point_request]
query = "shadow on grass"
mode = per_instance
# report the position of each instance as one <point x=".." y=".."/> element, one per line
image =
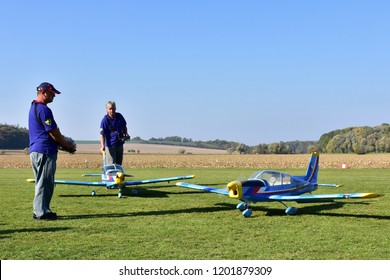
<point x="314" y="210"/>
<point x="5" y="233"/>
<point x="219" y="207"/>
<point x="141" y="192"/>
<point x="318" y="208"/>
<point x="153" y="213"/>
<point x="89" y="195"/>
<point x="146" y="191"/>
<point x="210" y="209"/>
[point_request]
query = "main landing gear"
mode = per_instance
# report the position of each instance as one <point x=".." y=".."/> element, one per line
<point x="244" y="208"/>
<point x="246" y="212"/>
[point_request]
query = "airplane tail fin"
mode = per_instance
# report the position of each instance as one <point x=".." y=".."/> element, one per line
<point x="312" y="169"/>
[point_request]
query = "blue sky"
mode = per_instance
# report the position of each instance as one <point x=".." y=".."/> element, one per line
<point x="246" y="71"/>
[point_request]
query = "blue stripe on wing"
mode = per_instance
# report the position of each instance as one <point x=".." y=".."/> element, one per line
<point x="203" y="188"/>
<point x="79" y="183"/>
<point x="159" y="180"/>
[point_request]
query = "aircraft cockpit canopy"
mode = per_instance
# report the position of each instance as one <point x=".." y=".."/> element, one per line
<point x="112" y="169"/>
<point x="272" y="177"/>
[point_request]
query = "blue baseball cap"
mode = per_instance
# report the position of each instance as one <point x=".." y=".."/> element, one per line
<point x="47" y="87"/>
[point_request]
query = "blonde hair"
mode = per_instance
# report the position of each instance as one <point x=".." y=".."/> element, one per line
<point x="111" y="104"/>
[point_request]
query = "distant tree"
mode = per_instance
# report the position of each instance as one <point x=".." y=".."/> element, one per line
<point x="311" y="148"/>
<point x="260" y="149"/>
<point x="359" y="140"/>
<point x="242" y="149"/>
<point x="324" y="140"/>
<point x="13" y="137"/>
<point x="189" y="140"/>
<point x="279" y="148"/>
<point x="137" y="139"/>
<point x="173" y="139"/>
<point x="384" y="144"/>
<point x="160" y="139"/>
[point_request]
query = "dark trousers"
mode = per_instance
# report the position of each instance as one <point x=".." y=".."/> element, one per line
<point x="114" y="155"/>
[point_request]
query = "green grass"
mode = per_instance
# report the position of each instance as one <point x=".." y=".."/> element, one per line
<point x="168" y="222"/>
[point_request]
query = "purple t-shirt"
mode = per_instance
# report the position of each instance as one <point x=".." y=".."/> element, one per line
<point x="112" y="129"/>
<point x="40" y="121"/>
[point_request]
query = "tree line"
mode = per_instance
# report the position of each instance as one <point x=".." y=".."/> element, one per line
<point x="13" y="137"/>
<point x="359" y="140"/>
<point x="293" y="147"/>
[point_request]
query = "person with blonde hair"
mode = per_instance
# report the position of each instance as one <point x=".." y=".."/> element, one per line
<point x="113" y="134"/>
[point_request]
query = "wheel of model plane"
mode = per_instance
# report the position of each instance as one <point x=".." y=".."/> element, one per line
<point x="119" y="195"/>
<point x="134" y="192"/>
<point x="93" y="193"/>
<point x="247" y="213"/>
<point x="242" y="206"/>
<point x="291" y="210"/>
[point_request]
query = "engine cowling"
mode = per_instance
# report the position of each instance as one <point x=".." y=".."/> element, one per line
<point x="119" y="178"/>
<point x="235" y="189"/>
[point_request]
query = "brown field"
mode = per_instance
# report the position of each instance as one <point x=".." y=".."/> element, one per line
<point x="92" y="159"/>
<point x="151" y="149"/>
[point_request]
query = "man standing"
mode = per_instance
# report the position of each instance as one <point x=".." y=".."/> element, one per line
<point x="45" y="138"/>
<point x="113" y="133"/>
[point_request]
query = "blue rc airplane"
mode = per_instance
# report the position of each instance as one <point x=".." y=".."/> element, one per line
<point x="114" y="177"/>
<point x="270" y="186"/>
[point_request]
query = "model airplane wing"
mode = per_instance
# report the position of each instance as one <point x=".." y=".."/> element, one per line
<point x="159" y="180"/>
<point x="127" y="183"/>
<point x="203" y="188"/>
<point x="311" y="198"/>
<point x="79" y="183"/>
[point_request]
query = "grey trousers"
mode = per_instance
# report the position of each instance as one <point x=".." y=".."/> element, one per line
<point x="114" y="155"/>
<point x="44" y="167"/>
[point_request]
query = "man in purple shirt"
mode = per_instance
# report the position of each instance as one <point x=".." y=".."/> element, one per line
<point x="45" y="139"/>
<point x="113" y="134"/>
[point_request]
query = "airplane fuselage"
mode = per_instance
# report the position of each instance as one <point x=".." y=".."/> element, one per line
<point x="259" y="190"/>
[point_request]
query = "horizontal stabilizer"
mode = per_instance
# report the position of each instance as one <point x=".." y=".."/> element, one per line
<point x="330" y="185"/>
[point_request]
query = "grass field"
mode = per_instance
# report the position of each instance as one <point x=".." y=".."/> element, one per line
<point x="168" y="222"/>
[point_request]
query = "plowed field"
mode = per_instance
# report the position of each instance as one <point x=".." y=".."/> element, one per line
<point x="94" y="160"/>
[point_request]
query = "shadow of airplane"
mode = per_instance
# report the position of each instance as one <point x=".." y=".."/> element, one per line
<point x="318" y="209"/>
<point x="219" y="207"/>
<point x="141" y="192"/>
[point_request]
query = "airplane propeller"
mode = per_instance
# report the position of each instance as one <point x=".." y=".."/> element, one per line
<point x="121" y="174"/>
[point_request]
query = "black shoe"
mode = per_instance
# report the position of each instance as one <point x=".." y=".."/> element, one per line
<point x="50" y="216"/>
